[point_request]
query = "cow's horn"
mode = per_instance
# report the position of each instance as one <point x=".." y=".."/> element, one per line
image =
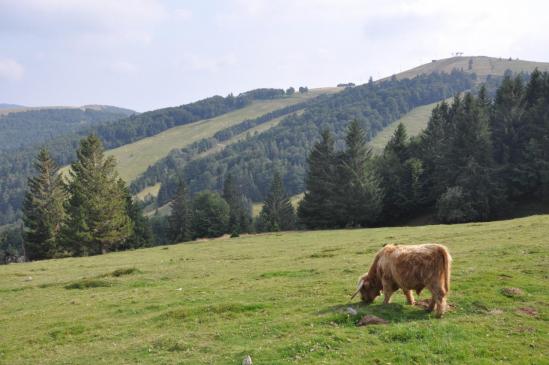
<point x="360" y="283"/>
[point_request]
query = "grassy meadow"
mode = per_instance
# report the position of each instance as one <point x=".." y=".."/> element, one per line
<point x="415" y="121"/>
<point x="282" y="299"/>
<point x="482" y="66"/>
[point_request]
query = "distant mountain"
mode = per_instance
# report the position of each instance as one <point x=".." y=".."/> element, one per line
<point x="30" y="126"/>
<point x="10" y="106"/>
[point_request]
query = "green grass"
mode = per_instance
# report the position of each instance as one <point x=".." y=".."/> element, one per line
<point x="280" y="298"/>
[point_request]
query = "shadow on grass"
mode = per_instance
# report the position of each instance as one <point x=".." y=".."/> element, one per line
<point x="393" y="312"/>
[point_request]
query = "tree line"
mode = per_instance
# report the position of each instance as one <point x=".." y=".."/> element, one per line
<point x="476" y="160"/>
<point x="92" y="212"/>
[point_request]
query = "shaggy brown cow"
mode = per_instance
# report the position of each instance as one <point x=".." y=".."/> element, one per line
<point x="408" y="268"/>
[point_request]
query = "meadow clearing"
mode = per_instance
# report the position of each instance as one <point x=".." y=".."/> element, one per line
<point x="281" y="298"/>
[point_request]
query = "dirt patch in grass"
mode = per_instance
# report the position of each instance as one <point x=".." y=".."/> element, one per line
<point x="512" y="292"/>
<point x="528" y="311"/>
<point x="88" y="284"/>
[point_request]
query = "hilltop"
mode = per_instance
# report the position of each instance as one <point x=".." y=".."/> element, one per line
<point x="281" y="298"/>
<point x="482" y="66"/>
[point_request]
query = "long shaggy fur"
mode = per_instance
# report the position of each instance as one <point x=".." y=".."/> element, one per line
<point x="409" y="268"/>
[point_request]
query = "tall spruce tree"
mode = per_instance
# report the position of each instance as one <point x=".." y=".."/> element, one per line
<point x="240" y="215"/>
<point x="97" y="217"/>
<point x="401" y="177"/>
<point x="360" y="193"/>
<point x="277" y="213"/>
<point x="316" y="210"/>
<point x="180" y="219"/>
<point x="43" y="211"/>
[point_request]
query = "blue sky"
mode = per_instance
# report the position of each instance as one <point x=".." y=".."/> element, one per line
<point x="147" y="54"/>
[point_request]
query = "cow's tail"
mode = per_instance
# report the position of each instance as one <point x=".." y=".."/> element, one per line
<point x="447" y="268"/>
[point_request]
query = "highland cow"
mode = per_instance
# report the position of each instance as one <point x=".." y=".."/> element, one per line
<point x="408" y="268"/>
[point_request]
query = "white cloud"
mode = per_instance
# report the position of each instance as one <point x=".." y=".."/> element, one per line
<point x="11" y="69"/>
<point x="124" y="19"/>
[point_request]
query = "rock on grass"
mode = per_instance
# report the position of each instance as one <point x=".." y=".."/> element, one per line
<point x="368" y="320"/>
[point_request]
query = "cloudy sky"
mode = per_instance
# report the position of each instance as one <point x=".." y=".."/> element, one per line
<point x="147" y="54"/>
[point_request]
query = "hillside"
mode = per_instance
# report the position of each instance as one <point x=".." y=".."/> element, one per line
<point x="280" y="298"/>
<point x="134" y="158"/>
<point x="285" y="147"/>
<point x="482" y="66"/>
<point x="415" y="122"/>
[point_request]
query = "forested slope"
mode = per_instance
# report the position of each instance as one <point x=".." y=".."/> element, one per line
<point x="35" y="126"/>
<point x="286" y="146"/>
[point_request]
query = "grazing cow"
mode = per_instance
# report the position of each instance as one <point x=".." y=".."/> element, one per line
<point x="408" y="268"/>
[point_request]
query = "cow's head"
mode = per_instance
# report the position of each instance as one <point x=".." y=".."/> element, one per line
<point x="368" y="292"/>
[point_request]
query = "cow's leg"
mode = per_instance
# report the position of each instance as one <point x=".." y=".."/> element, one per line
<point x="409" y="297"/>
<point x="387" y="291"/>
<point x="438" y="301"/>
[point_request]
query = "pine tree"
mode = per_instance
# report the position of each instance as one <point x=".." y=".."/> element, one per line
<point x="506" y="119"/>
<point x="401" y="177"/>
<point x="277" y="213"/>
<point x="398" y="144"/>
<point x="360" y="193"/>
<point x="316" y="210"/>
<point x="181" y="216"/>
<point x="43" y="209"/>
<point x="97" y="218"/>
<point x="240" y="215"/>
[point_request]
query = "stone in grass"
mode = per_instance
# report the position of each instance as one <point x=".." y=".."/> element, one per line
<point x="368" y="320"/>
<point x="512" y="292"/>
<point x="351" y="311"/>
<point x="247" y="360"/>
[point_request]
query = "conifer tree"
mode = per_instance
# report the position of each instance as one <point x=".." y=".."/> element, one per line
<point x="240" y="216"/>
<point x="97" y="218"/>
<point x="43" y="211"/>
<point x="316" y="210"/>
<point x="181" y="216"/>
<point x="360" y="193"/>
<point x="471" y="160"/>
<point x="277" y="213"/>
<point x="401" y="176"/>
